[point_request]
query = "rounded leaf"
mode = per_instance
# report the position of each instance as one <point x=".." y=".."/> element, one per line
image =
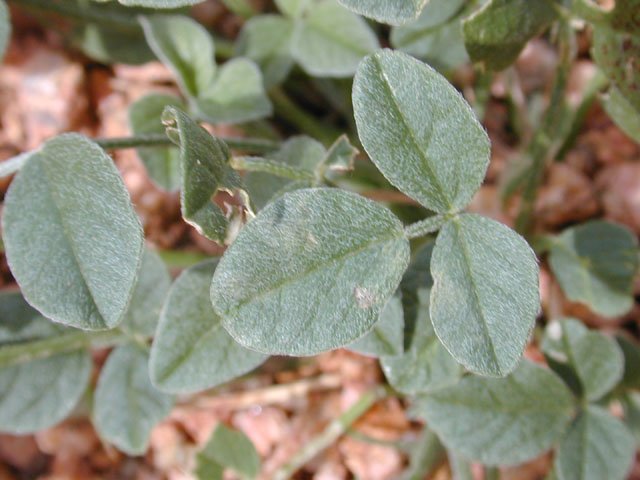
<point x="310" y="273"/>
<point x="392" y="12"/>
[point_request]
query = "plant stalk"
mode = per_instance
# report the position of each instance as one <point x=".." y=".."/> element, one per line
<point x="259" y="164"/>
<point x="254" y="145"/>
<point x="426" y="226"/>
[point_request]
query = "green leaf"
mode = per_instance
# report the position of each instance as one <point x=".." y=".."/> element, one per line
<point x="208" y="469"/>
<point x="297" y="151"/>
<point x="148" y="296"/>
<point x="386" y="338"/>
<point x="205" y="169"/>
<point x="436" y="36"/>
<point x="19" y="322"/>
<point x="5" y="28"/>
<point x="623" y="113"/>
<point x="616" y="54"/>
<point x="38" y="394"/>
<point x="631" y="352"/>
<point x="266" y="39"/>
<point x="485" y="298"/>
<point x="230" y="449"/>
<point x="339" y="158"/>
<point x="72" y="238"/>
<point x="291" y="8"/>
<point x="501" y="421"/>
<point x="497" y="33"/>
<point x="329" y="41"/>
<point x="595" y="264"/>
<point x="126" y="405"/>
<point x="419" y="131"/>
<point x="109" y="43"/>
<point x="159" y="3"/>
<point x="162" y="164"/>
<point x="310" y="273"/>
<point x="631" y="405"/>
<point x="597" y="446"/>
<point x="191" y="350"/>
<point x="595" y="358"/>
<point x="392" y="12"/>
<point x="237" y="94"/>
<point x="184" y="46"/>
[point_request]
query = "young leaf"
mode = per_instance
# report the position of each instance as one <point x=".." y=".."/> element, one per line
<point x="329" y="40"/>
<point x="419" y="131"/>
<point x="266" y="39"/>
<point x="191" y="350"/>
<point x="38" y="394"/>
<point x="485" y="298"/>
<point x="386" y="338"/>
<point x="205" y="169"/>
<point x="621" y="111"/>
<point x="230" y="449"/>
<point x="595" y="264"/>
<point x="631" y="352"/>
<point x="148" y="296"/>
<point x="392" y="12"/>
<point x="236" y="95"/>
<point x="162" y="164"/>
<point x="501" y="421"/>
<point x="72" y="238"/>
<point x="596" y="359"/>
<point x="185" y="47"/>
<point x="597" y="446"/>
<point x="5" y="28"/>
<point x="497" y="33"/>
<point x="436" y="36"/>
<point x="126" y="406"/>
<point x="310" y="273"/>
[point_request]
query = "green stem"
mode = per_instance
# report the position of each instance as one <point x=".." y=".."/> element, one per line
<point x="255" y="145"/>
<point x="96" y="14"/>
<point x="426" y="226"/>
<point x="259" y="164"/>
<point x="305" y="122"/>
<point x="329" y="435"/>
<point x="181" y="259"/>
<point x="68" y="342"/>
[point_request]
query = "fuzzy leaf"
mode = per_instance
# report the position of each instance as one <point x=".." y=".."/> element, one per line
<point x="266" y="39"/>
<point x="19" y="322"/>
<point x="392" y="12"/>
<point x="5" y="28"/>
<point x="595" y="264"/>
<point x="386" y="338"/>
<point x="497" y="33"/>
<point x="596" y="359"/>
<point x="38" y="394"/>
<point x="485" y="298"/>
<point x="191" y="350"/>
<point x="230" y="449"/>
<point x="109" y="43"/>
<point x="597" y="446"/>
<point x="621" y="111"/>
<point x="162" y="163"/>
<point x="236" y="95"/>
<point x="72" y="238"/>
<point x="310" y="273"/>
<point x="501" y="421"/>
<point x="148" y="296"/>
<point x="126" y="406"/>
<point x="329" y="40"/>
<point x="419" y="131"/>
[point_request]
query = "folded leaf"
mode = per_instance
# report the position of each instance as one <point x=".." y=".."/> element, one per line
<point x="501" y="421"/>
<point x="485" y="298"/>
<point x="72" y="238"/>
<point x="419" y="131"/>
<point x="191" y="351"/>
<point x="310" y="273"/>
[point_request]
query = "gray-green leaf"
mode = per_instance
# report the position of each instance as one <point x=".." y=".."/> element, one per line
<point x="497" y="33"/>
<point x="621" y="111"/>
<point x="5" y="28"/>
<point x="329" y="40"/>
<point x="392" y="12"/>
<point x="191" y="350"/>
<point x="387" y="337"/>
<point x="596" y="359"/>
<point x="230" y="449"/>
<point x="162" y="163"/>
<point x="72" y="238"/>
<point x="485" y="298"/>
<point x="595" y="264"/>
<point x="419" y="131"/>
<point x="126" y="405"/>
<point x="159" y="3"/>
<point x="502" y="421"/>
<point x="598" y="446"/>
<point x="310" y="273"/>
<point x="631" y="352"/>
<point x="38" y="394"/>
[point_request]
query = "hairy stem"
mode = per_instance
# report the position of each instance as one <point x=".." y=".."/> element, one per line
<point x="426" y="226"/>
<point x="329" y="435"/>
<point x="254" y="145"/>
<point x="259" y="164"/>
